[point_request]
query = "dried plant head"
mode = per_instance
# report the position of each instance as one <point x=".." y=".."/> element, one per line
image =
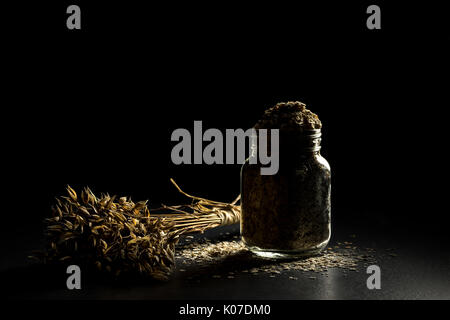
<point x="116" y="236"/>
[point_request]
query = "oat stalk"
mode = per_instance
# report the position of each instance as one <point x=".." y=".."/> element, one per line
<point x="201" y="215"/>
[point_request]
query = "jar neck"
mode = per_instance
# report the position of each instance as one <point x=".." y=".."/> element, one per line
<point x="295" y="143"/>
<point x="305" y="142"/>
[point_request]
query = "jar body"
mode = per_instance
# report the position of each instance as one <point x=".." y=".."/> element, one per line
<point x="287" y="214"/>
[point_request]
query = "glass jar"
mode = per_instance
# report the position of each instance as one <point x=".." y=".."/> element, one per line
<point x="288" y="214"/>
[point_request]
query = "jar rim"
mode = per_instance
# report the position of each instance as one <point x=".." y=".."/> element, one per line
<point x="294" y="130"/>
<point x="308" y="134"/>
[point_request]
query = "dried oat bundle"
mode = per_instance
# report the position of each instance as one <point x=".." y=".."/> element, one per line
<point x="122" y="236"/>
<point x="110" y="234"/>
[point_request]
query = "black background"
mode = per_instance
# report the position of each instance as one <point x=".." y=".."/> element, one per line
<point x="96" y="107"/>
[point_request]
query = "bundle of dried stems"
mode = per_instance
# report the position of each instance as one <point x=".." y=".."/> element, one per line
<point x="122" y="236"/>
<point x="202" y="214"/>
